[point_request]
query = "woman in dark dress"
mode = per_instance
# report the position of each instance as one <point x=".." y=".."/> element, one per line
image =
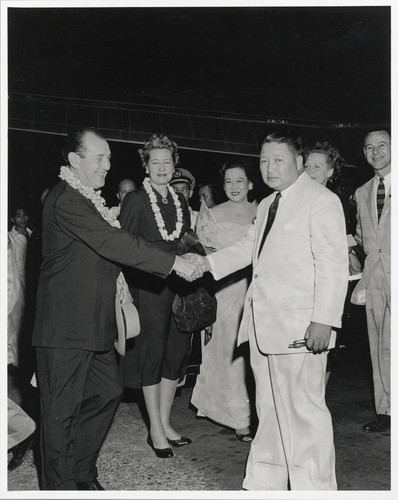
<point x="157" y="359"/>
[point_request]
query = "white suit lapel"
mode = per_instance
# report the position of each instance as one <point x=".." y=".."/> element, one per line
<point x="262" y="214"/>
<point x="387" y="206"/>
<point x="370" y="202"/>
<point x="283" y="214"/>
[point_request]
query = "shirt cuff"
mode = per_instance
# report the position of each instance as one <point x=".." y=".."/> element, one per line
<point x="212" y="267"/>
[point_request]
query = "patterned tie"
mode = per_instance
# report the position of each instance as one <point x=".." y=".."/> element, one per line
<point x="270" y="220"/>
<point x="381" y="194"/>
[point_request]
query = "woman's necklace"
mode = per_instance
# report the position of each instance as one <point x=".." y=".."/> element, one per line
<point x="88" y="192"/>
<point x="158" y="215"/>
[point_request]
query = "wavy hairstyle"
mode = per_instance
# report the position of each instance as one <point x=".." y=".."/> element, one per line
<point x="158" y="141"/>
<point x="334" y="160"/>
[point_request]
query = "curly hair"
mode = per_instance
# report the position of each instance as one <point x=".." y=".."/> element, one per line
<point x="333" y="157"/>
<point x="158" y="141"/>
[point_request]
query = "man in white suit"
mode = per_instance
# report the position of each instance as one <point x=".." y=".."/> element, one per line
<point x="374" y="234"/>
<point x="297" y="295"/>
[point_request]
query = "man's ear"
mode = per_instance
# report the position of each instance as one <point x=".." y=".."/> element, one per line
<point x="73" y="159"/>
<point x="118" y="196"/>
<point x="300" y="163"/>
<point x="330" y="173"/>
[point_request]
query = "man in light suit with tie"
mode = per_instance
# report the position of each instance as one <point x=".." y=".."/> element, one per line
<point x="374" y="289"/>
<point x="298" y="250"/>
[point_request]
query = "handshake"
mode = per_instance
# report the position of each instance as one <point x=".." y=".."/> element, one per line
<point x="191" y="266"/>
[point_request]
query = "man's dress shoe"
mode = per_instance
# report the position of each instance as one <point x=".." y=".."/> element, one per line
<point x="20" y="451"/>
<point x="244" y="438"/>
<point x="182" y="441"/>
<point x="90" y="485"/>
<point x="381" y="424"/>
<point x="160" y="452"/>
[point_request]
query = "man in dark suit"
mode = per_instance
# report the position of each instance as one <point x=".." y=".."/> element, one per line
<point x="75" y="324"/>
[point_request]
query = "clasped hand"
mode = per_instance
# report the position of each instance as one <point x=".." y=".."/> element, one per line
<point x="317" y="337"/>
<point x="190" y="266"/>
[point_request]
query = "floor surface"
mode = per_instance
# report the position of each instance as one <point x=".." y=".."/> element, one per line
<point x="215" y="461"/>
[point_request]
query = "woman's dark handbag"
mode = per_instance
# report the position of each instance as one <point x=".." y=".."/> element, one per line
<point x="195" y="307"/>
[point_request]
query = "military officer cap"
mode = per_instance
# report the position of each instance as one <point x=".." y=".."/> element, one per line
<point x="183" y="175"/>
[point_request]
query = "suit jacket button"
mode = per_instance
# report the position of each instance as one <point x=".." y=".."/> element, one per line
<point x="255" y="276"/>
<point x="380" y="250"/>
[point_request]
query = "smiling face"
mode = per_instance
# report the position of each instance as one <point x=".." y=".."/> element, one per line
<point x="160" y="167"/>
<point x="92" y="164"/>
<point x="377" y="150"/>
<point x="318" y="168"/>
<point x="280" y="165"/>
<point x="236" y="184"/>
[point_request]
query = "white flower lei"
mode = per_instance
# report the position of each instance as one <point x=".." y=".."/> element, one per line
<point x="94" y="196"/>
<point x="158" y="216"/>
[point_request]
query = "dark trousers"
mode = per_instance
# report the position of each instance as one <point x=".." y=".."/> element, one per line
<point x="79" y="394"/>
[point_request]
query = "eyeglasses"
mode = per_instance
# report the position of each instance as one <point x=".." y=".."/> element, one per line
<point x="298" y="343"/>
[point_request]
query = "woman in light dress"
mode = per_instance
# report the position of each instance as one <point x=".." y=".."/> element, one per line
<point x="221" y="393"/>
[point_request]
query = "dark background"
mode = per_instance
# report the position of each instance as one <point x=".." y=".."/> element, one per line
<point x="329" y="64"/>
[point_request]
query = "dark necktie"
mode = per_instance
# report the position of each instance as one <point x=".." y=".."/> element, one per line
<point x="381" y="194"/>
<point x="270" y="220"/>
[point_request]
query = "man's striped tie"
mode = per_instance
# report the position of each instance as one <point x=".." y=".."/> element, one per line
<point x="381" y="194"/>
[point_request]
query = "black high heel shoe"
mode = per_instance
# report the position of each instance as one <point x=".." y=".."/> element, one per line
<point x="182" y="441"/>
<point x="160" y="452"/>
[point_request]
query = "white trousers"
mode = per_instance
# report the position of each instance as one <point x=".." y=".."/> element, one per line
<point x="20" y="425"/>
<point x="293" y="445"/>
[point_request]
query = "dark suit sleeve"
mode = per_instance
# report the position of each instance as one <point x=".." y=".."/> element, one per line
<point x="130" y="213"/>
<point x="78" y="218"/>
<point x="186" y="215"/>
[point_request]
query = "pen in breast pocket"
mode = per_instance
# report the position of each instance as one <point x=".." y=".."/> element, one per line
<point x="298" y="343"/>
